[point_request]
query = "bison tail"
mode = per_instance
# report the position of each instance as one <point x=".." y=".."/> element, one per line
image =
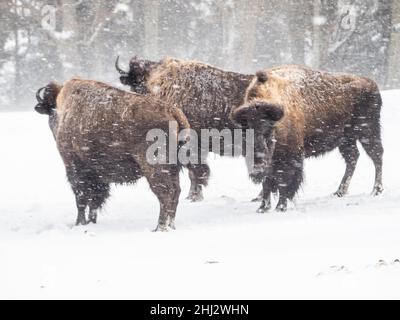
<point x="372" y="95"/>
<point x="180" y="117"/>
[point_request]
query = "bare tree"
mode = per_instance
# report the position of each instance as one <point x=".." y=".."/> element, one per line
<point x="394" y="51"/>
<point x="339" y="35"/>
<point x="5" y="23"/>
<point x="300" y="20"/>
<point x="151" y="14"/>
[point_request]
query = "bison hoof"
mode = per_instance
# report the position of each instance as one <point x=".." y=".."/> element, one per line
<point x="161" y="228"/>
<point x="164" y="228"/>
<point x="377" y="191"/>
<point x="93" y="219"/>
<point x="171" y="225"/>
<point x="195" y="197"/>
<point x="264" y="208"/>
<point x="339" y="194"/>
<point x="81" y="222"/>
<point x="281" y="208"/>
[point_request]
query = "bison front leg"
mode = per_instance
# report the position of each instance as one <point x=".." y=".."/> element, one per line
<point x="99" y="192"/>
<point x="81" y="204"/>
<point x="89" y="191"/>
<point x="290" y="177"/>
<point x="81" y="195"/>
<point x="266" y="196"/>
<point x="349" y="151"/>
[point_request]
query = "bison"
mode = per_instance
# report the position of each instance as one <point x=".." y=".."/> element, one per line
<point x="204" y="93"/>
<point x="100" y="133"/>
<point x="298" y="113"/>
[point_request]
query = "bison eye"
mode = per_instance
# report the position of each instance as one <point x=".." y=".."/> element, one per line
<point x="252" y="95"/>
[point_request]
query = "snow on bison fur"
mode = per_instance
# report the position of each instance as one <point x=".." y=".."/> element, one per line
<point x="321" y="111"/>
<point x="100" y="133"/>
<point x="204" y="93"/>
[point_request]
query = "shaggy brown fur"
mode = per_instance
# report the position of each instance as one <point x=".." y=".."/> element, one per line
<point x="101" y="135"/>
<point x="322" y="112"/>
<point x="204" y="93"/>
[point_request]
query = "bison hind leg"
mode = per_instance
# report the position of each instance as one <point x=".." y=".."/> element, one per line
<point x="374" y="149"/>
<point x="164" y="182"/>
<point x="349" y="151"/>
<point x="199" y="175"/>
<point x="369" y="129"/>
<point x="81" y="204"/>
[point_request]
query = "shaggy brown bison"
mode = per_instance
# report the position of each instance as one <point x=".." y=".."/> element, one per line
<point x="321" y="112"/>
<point x="205" y="94"/>
<point x="100" y="133"/>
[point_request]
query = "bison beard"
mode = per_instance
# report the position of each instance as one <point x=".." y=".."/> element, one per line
<point x="205" y="94"/>
<point x="322" y="112"/>
<point x="100" y="133"/>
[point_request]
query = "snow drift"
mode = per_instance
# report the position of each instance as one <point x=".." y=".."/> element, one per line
<point x="323" y="247"/>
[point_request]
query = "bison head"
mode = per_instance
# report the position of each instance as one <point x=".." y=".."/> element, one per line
<point x="47" y="102"/>
<point x="136" y="77"/>
<point x="261" y="116"/>
<point x="47" y="99"/>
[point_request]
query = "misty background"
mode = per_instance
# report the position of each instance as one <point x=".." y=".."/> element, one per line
<point x="42" y="41"/>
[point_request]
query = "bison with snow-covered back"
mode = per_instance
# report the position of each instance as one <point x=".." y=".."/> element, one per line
<point x="321" y="112"/>
<point x="100" y="133"/>
<point x="204" y="93"/>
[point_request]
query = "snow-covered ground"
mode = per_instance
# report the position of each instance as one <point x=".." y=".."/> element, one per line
<point x="322" y="247"/>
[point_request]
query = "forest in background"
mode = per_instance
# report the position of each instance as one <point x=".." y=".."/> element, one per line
<point x="45" y="40"/>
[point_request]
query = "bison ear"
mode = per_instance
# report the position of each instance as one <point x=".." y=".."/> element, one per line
<point x="240" y="115"/>
<point x="262" y="76"/>
<point x="269" y="112"/>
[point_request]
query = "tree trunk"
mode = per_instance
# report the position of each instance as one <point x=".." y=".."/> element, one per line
<point x="68" y="47"/>
<point x="17" y="60"/>
<point x="247" y="26"/>
<point x="317" y="34"/>
<point x="394" y="48"/>
<point x="151" y="13"/>
<point x="228" y="39"/>
<point x="298" y="19"/>
<point x="5" y="24"/>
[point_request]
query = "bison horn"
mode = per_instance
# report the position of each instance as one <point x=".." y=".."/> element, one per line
<point x="262" y="76"/>
<point x="38" y="97"/>
<point x="122" y="72"/>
